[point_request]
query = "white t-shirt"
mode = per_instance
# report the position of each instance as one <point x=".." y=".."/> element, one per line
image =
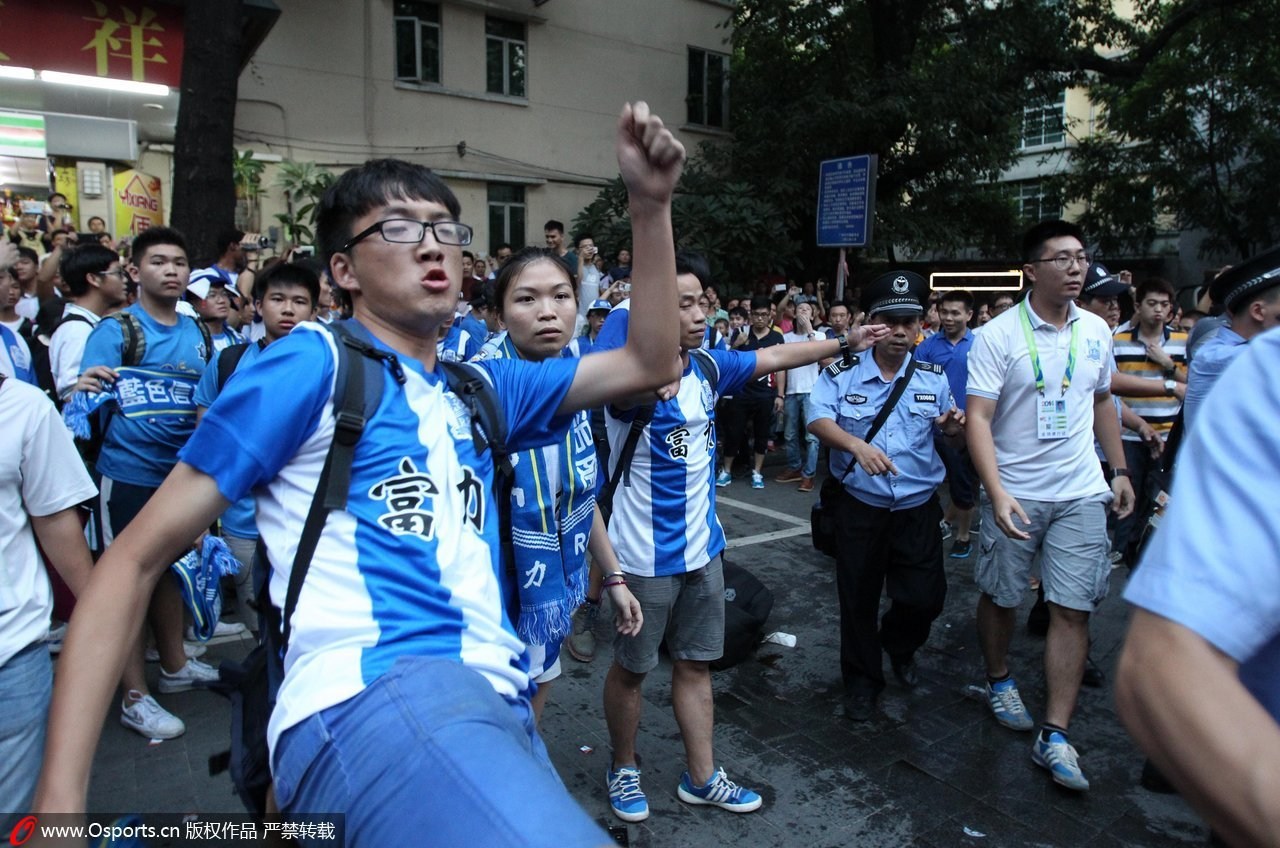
<point x="66" y="348"/>
<point x="800" y="381"/>
<point x="40" y="474"/>
<point x="1000" y="370"/>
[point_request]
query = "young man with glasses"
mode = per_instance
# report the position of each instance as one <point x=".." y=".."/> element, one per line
<point x="405" y="699"/>
<point x="1038" y="395"/>
<point x="95" y="279"/>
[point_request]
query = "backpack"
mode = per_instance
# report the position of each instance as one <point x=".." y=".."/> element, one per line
<point x="253" y="683"/>
<point x="38" y="344"/>
<point x="643" y="415"/>
<point x="747" y="604"/>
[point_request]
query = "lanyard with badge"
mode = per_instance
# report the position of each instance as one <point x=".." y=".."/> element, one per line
<point x="1051" y="414"/>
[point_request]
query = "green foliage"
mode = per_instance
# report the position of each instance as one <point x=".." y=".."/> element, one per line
<point x="303" y="184"/>
<point x="1192" y="140"/>
<point x="743" y="234"/>
<point x="247" y="172"/>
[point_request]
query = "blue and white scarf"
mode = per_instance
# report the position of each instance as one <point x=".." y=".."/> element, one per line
<point x="552" y="507"/>
<point x="199" y="576"/>
<point x="137" y="393"/>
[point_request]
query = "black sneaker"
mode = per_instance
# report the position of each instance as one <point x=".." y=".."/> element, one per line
<point x="906" y="672"/>
<point x="962" y="549"/>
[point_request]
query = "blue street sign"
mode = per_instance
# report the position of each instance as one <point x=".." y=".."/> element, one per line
<point x="846" y="201"/>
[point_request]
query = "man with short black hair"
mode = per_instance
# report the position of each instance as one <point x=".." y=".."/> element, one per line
<point x="755" y="404"/>
<point x="950" y="349"/>
<point x="95" y="278"/>
<point x="1153" y="352"/>
<point x="1038" y="396"/>
<point x="153" y="417"/>
<point x="553" y="232"/>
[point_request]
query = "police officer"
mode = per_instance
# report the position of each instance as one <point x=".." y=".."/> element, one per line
<point x="887" y="514"/>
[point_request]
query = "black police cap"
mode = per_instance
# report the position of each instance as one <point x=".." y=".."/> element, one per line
<point x="1242" y="283"/>
<point x="896" y="292"/>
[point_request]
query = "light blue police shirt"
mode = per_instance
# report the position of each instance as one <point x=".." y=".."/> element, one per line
<point x="853" y="396"/>
<point x="1213" y="565"/>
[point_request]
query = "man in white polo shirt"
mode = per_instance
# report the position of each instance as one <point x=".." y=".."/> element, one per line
<point x="1038" y="395"/>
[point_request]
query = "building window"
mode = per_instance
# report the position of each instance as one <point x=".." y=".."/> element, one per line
<point x="417" y="41"/>
<point x="1044" y="123"/>
<point x="1035" y="201"/>
<point x="504" y="46"/>
<point x="708" y="98"/>
<point x="506" y="216"/>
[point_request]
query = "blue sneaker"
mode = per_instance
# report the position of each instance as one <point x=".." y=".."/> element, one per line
<point x="1060" y="758"/>
<point x="962" y="549"/>
<point x="625" y="795"/>
<point x="723" y="479"/>
<point x="1006" y="705"/>
<point x="720" y="792"/>
<point x="757" y="480"/>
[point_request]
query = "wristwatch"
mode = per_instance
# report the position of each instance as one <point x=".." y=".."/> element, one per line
<point x="845" y="354"/>
<point x="1121" y="472"/>
<point x="1170" y="384"/>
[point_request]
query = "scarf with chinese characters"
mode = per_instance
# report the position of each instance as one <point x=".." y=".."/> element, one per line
<point x="552" y="506"/>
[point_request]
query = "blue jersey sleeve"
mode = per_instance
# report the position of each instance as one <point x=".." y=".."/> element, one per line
<point x="252" y="403"/>
<point x="614" y="332"/>
<point x="530" y="393"/>
<point x="103" y="346"/>
<point x="207" y="388"/>
<point x="737" y="367"/>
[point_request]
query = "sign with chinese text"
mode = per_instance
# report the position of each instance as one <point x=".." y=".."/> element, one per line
<point x="139" y="203"/>
<point x="22" y="134"/>
<point x="846" y="201"/>
<point x="122" y="39"/>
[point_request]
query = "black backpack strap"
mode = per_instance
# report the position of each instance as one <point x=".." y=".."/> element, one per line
<point x="899" y="388"/>
<point x="643" y="415"/>
<point x="357" y="389"/>
<point x="489" y="432"/>
<point x="133" y="342"/>
<point x="228" y="359"/>
<point x="207" y="338"/>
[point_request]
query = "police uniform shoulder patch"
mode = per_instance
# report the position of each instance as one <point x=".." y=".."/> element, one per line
<point x="929" y="366"/>
<point x="838" y="367"/>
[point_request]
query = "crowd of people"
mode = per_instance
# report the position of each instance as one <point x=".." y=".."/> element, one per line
<point x="430" y="623"/>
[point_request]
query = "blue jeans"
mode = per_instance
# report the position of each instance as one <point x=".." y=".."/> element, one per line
<point x="429" y="755"/>
<point x="796" y="411"/>
<point x="27" y="683"/>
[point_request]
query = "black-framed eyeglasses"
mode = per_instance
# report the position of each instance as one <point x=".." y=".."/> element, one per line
<point x="119" y="272"/>
<point x="1064" y="261"/>
<point x="409" y="231"/>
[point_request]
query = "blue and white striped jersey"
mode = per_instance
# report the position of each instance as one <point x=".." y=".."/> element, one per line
<point x="410" y="567"/>
<point x="665" y="521"/>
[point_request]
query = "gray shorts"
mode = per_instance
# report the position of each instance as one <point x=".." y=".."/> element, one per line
<point x="1070" y="541"/>
<point x="687" y="609"/>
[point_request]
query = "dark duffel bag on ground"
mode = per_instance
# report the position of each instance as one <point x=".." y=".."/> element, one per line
<point x="747" y="604"/>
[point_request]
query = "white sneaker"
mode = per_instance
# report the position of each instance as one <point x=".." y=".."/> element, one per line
<point x="223" y="630"/>
<point x="192" y="650"/>
<point x="150" y="719"/>
<point x="193" y="675"/>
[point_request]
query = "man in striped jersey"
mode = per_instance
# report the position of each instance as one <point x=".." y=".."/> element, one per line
<point x="669" y="540"/>
<point x="1154" y="352"/>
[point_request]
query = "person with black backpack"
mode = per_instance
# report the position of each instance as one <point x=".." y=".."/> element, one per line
<point x="285" y="295"/>
<point x="151" y="358"/>
<point x="663" y="525"/>
<point x="95" y="279"/>
<point x="405" y="699"/>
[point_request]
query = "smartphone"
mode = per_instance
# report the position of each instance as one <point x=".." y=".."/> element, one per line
<point x="780" y="287"/>
<point x="304" y="250"/>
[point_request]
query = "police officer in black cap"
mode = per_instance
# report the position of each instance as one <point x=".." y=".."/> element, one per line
<point x="878" y="414"/>
<point x="1250" y="292"/>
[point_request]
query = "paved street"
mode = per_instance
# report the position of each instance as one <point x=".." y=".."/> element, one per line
<point x="933" y="770"/>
